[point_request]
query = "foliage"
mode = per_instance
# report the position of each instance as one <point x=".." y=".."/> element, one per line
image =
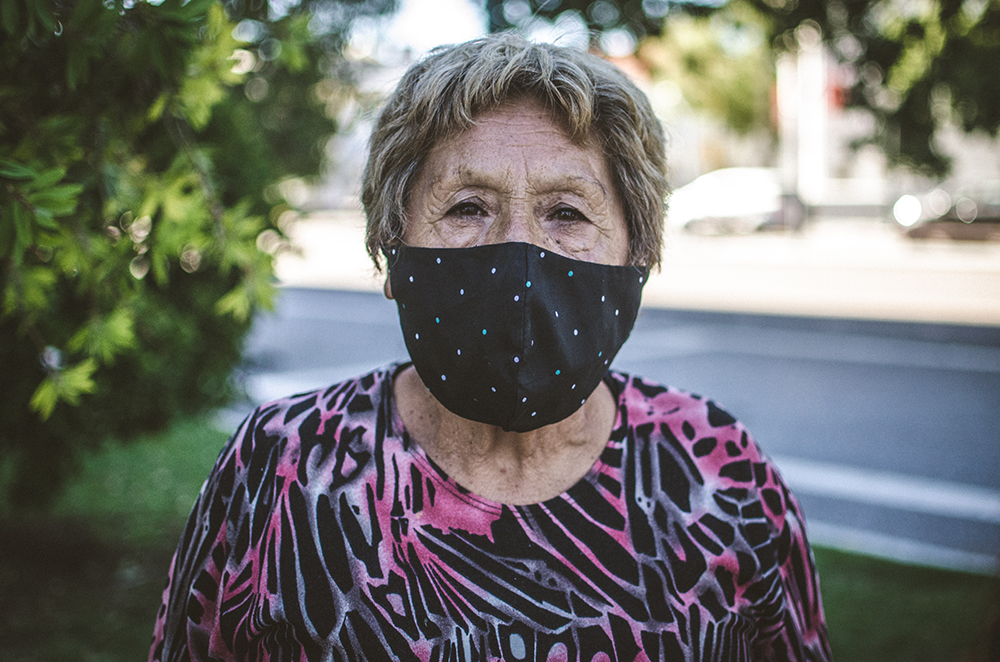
<point x="916" y="66"/>
<point x="721" y="64"/>
<point x="639" y="17"/>
<point x="140" y="148"/>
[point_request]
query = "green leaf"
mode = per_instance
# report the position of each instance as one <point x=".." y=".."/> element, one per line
<point x="77" y="381"/>
<point x="22" y="228"/>
<point x="45" y="398"/>
<point x="57" y="200"/>
<point x="106" y="337"/>
<point x="236" y="302"/>
<point x="203" y="6"/>
<point x="155" y="111"/>
<point x="160" y="266"/>
<point x="198" y="95"/>
<point x="35" y="291"/>
<point x="47" y="222"/>
<point x="68" y="385"/>
<point x="46" y="178"/>
<point x="12" y="170"/>
<point x="43" y="217"/>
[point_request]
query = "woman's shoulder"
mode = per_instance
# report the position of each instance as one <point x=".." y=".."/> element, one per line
<point x="356" y="395"/>
<point x="704" y="465"/>
<point x="715" y="448"/>
<point x="698" y="417"/>
<point x="346" y="393"/>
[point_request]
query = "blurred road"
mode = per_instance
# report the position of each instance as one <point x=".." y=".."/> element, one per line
<point x="886" y="430"/>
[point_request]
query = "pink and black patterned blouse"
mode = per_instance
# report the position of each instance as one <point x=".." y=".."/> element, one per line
<point x="325" y="533"/>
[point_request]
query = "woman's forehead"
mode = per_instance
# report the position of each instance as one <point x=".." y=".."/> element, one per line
<point x="520" y="130"/>
<point x="521" y="105"/>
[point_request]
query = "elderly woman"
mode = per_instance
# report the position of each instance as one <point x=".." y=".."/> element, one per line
<point x="504" y="496"/>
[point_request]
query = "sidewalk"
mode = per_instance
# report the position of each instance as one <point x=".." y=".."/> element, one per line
<point x="853" y="268"/>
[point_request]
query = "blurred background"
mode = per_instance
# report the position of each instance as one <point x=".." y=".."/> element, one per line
<point x="182" y="239"/>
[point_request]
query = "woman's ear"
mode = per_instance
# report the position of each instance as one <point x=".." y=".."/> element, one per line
<point x="387" y="288"/>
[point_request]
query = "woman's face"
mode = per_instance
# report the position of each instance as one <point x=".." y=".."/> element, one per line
<point x="516" y="176"/>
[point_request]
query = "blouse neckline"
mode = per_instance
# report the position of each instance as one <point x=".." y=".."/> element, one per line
<point x="467" y="496"/>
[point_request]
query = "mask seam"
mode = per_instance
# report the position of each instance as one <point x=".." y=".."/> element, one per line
<point x="524" y="315"/>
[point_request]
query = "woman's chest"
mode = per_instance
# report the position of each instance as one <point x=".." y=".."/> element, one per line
<point x="409" y="558"/>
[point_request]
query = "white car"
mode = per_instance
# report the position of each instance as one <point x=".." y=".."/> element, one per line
<point x="728" y="201"/>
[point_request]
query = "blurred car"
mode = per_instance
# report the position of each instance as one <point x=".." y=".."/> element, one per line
<point x="728" y="201"/>
<point x="970" y="213"/>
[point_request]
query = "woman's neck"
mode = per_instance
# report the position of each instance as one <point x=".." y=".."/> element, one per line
<point x="515" y="468"/>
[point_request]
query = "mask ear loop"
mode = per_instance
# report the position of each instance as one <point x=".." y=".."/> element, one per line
<point x="391" y="254"/>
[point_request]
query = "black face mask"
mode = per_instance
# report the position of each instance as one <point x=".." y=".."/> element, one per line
<point x="511" y="334"/>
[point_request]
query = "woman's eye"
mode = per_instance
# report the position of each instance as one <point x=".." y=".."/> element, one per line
<point x="567" y="214"/>
<point x="467" y="209"/>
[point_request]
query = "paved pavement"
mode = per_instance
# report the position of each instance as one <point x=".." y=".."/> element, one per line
<point x="887" y="431"/>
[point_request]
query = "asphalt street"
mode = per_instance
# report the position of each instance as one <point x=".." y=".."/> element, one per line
<point x="886" y="430"/>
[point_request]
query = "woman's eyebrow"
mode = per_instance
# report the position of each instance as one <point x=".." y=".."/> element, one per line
<point x="584" y="185"/>
<point x="468" y="175"/>
<point x="463" y="175"/>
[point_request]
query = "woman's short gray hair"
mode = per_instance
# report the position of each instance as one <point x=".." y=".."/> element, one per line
<point x="445" y="92"/>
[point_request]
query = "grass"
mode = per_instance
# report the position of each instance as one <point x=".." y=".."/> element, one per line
<point x="138" y="493"/>
<point x="880" y="611"/>
<point x="88" y="578"/>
